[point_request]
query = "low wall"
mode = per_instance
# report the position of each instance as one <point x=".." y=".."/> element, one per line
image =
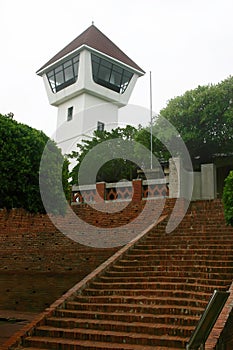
<point x="178" y="183"/>
<point x="135" y="190"/>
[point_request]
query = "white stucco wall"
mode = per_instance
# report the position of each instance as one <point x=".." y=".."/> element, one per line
<point x="191" y="185"/>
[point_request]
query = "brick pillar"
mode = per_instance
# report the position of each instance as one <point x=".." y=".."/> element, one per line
<point x="137" y="190"/>
<point x="100" y="191"/>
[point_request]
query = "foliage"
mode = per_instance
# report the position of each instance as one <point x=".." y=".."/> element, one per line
<point x="204" y="119"/>
<point x="228" y="199"/>
<point x="116" y="168"/>
<point x="21" y="148"/>
<point x="160" y="139"/>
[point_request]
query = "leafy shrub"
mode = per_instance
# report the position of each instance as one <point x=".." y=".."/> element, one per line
<point x="21" y="149"/>
<point x="228" y="198"/>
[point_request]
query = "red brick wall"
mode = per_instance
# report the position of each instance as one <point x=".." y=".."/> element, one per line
<point x="38" y="263"/>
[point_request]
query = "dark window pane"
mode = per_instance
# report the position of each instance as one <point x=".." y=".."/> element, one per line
<point x="95" y="58"/>
<point x="104" y="73"/>
<point x="70" y="113"/>
<point x="59" y="78"/>
<point x="58" y="69"/>
<point x="115" y="78"/>
<point x="95" y="67"/>
<point x="75" y="59"/>
<point x="64" y="74"/>
<point x="69" y="74"/>
<point x="76" y="69"/>
<point x="110" y="75"/>
<point x="126" y="77"/>
<point x="67" y="64"/>
<point x="100" y="126"/>
<point x="52" y="84"/>
<point x="117" y="69"/>
<point x="106" y="64"/>
<point x="50" y="74"/>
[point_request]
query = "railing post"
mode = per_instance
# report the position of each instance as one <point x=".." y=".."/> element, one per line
<point x="137" y="190"/>
<point x="100" y="191"/>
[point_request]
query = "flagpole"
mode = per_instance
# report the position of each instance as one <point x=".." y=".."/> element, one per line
<point x="151" y="164"/>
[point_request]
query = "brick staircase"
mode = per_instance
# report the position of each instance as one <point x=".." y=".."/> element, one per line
<point x="152" y="296"/>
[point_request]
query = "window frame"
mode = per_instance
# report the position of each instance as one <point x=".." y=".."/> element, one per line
<point x="60" y="70"/>
<point x="113" y="70"/>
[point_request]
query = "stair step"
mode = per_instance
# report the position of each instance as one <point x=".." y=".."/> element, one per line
<point x="149" y="309"/>
<point x="149" y="293"/>
<point x="181" y="263"/>
<point x="61" y="344"/>
<point x="119" y="326"/>
<point x="193" y="236"/>
<point x="174" y="274"/>
<point x="182" y="252"/>
<point x="64" y="336"/>
<point x="159" y="279"/>
<point x="189" y="320"/>
<point x="160" y="285"/>
<point x="165" y="268"/>
<point x="144" y="327"/>
<point x="187" y="244"/>
<point x="139" y="300"/>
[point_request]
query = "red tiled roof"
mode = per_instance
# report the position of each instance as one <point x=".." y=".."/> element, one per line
<point x="95" y="39"/>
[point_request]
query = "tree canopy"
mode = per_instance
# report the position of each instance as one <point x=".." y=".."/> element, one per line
<point x="203" y="118"/>
<point x="21" y="148"/>
<point x="116" y="168"/>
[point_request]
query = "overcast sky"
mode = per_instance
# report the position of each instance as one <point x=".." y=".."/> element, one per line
<point x="184" y="43"/>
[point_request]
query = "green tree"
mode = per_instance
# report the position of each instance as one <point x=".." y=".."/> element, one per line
<point x="159" y="142"/>
<point x="203" y="118"/>
<point x="21" y="148"/>
<point x="228" y="199"/>
<point x="113" y="170"/>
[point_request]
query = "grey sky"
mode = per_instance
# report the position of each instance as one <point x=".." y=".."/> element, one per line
<point x="185" y="43"/>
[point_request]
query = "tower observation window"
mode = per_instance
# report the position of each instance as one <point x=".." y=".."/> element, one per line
<point x="110" y="75"/>
<point x="70" y="113"/>
<point x="100" y="126"/>
<point x="64" y="74"/>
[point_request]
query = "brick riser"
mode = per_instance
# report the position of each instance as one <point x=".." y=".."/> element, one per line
<point x="153" y="297"/>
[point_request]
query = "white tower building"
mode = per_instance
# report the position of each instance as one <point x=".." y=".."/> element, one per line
<point x="88" y="81"/>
